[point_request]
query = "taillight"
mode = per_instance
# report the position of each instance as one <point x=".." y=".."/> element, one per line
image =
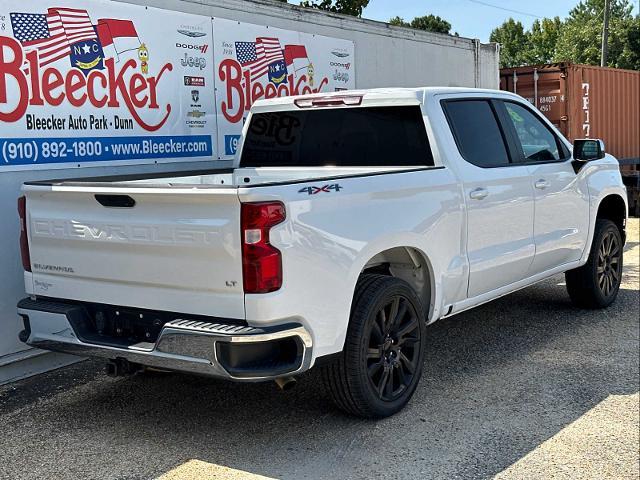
<point x="261" y="261"/>
<point x="24" y="240"/>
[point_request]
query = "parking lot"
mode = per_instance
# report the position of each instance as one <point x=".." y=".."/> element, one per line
<point x="524" y="387"/>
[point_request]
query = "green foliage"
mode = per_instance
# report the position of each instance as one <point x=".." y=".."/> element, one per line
<point x="514" y="43"/>
<point x="577" y="39"/>
<point x="543" y="39"/>
<point x="630" y="55"/>
<point x="581" y="37"/>
<point x="429" y="23"/>
<point x="399" y="22"/>
<point x="347" y="7"/>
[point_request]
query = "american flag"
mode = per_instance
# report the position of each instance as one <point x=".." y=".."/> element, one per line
<point x="51" y="34"/>
<point x="258" y="55"/>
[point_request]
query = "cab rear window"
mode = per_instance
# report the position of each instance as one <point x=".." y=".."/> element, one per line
<point x="353" y="137"/>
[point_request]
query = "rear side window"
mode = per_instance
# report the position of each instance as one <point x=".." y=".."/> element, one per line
<point x="477" y="133"/>
<point x="353" y="137"/>
<point x="537" y="142"/>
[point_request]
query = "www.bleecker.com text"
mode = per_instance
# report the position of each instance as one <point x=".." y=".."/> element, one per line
<point x="77" y="122"/>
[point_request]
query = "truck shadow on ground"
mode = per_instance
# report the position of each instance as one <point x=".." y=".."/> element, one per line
<point x="498" y="381"/>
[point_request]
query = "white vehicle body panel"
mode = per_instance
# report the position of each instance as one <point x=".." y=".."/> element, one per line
<point x="179" y="249"/>
<point x="171" y="250"/>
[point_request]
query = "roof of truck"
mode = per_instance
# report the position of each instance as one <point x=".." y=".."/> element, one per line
<point x="379" y="96"/>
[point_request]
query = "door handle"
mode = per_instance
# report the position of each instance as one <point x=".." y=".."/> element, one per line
<point x="478" y="193"/>
<point x="541" y="184"/>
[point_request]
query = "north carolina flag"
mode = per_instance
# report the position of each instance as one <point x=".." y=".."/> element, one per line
<point x="292" y="52"/>
<point x="117" y="35"/>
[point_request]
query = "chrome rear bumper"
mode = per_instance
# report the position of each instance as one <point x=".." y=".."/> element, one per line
<point x="199" y="347"/>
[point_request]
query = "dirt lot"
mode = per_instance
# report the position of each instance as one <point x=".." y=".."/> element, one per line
<point x="524" y="387"/>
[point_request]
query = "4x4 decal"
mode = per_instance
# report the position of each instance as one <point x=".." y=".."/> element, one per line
<point x="313" y="190"/>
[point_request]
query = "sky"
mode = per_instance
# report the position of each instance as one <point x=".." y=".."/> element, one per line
<point x="472" y="18"/>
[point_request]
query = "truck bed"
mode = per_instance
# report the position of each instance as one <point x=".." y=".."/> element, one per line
<point x="217" y="178"/>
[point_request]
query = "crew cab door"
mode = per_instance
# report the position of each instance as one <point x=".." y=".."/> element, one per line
<point x="561" y="220"/>
<point x="498" y="195"/>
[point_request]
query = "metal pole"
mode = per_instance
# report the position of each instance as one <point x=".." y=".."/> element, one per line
<point x="605" y="35"/>
<point x="535" y="87"/>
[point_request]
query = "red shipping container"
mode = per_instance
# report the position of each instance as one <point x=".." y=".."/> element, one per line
<point x="584" y="101"/>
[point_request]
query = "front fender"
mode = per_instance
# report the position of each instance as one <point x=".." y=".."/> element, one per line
<point x="603" y="179"/>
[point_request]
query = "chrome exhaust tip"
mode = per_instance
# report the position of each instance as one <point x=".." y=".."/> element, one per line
<point x="285" y="383"/>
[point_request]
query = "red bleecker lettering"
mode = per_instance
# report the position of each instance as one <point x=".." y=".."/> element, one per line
<point x="117" y="84"/>
<point x="257" y="91"/>
<point x="75" y="81"/>
<point x="239" y="85"/>
<point x="52" y="79"/>
<point x="230" y="72"/>
<point x="91" y="85"/>
<point x="36" y="98"/>
<point x="138" y="86"/>
<point x="11" y="70"/>
<point x="270" y="91"/>
<point x="52" y="87"/>
<point x="153" y="86"/>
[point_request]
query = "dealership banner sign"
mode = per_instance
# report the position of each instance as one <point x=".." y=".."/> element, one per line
<point x="254" y="62"/>
<point x="86" y="82"/>
<point x="92" y="83"/>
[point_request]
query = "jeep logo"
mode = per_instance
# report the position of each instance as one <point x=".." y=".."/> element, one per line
<point x="195" y="62"/>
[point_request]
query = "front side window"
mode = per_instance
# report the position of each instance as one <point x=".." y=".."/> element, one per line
<point x="477" y="133"/>
<point x="342" y="137"/>
<point x="538" y="143"/>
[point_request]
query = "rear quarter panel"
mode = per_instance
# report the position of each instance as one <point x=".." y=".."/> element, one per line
<point x="329" y="237"/>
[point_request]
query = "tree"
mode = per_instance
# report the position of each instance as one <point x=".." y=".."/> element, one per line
<point x="429" y="23"/>
<point x="514" y="43"/>
<point x="399" y="22"/>
<point x="543" y="39"/>
<point x="581" y="36"/>
<point x="630" y="56"/>
<point x="348" y="7"/>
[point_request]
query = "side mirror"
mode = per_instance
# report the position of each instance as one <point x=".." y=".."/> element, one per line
<point x="585" y="150"/>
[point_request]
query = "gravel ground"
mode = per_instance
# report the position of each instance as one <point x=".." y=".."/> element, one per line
<point x="524" y="387"/>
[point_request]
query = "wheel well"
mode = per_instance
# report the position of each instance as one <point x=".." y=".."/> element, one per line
<point x="612" y="208"/>
<point x="409" y="265"/>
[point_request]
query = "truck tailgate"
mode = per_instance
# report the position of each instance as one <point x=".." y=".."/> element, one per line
<point x="171" y="249"/>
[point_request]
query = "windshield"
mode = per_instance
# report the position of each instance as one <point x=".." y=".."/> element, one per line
<point x="352" y="137"/>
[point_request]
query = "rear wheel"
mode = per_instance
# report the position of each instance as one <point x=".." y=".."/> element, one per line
<point x="596" y="283"/>
<point x="381" y="364"/>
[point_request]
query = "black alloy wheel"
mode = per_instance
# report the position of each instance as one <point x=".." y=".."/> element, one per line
<point x="380" y="366"/>
<point x="394" y="348"/>
<point x="597" y="282"/>
<point x="609" y="265"/>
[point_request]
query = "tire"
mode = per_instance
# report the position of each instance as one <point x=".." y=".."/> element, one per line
<point x="596" y="283"/>
<point x="381" y="363"/>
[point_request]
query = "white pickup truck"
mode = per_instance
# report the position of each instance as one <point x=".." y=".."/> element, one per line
<point x="352" y="221"/>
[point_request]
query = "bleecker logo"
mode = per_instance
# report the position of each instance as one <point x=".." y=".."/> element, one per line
<point x="287" y="71"/>
<point x="32" y="64"/>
